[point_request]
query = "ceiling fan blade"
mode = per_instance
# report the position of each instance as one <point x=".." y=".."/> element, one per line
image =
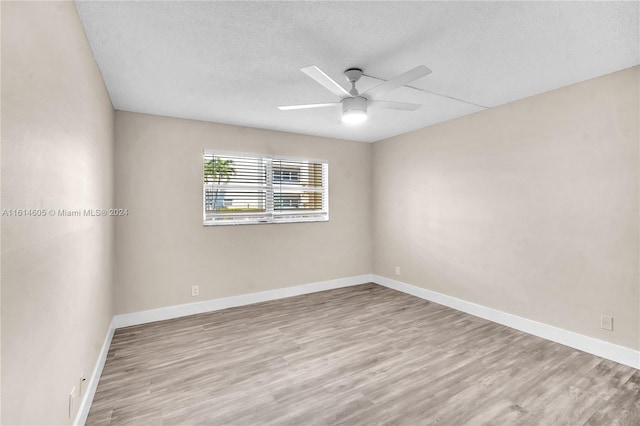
<point x="318" y="75"/>
<point x="401" y="80"/>
<point x="290" y="107"/>
<point x="395" y="105"/>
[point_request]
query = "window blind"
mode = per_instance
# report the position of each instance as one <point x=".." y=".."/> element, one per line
<point x="244" y="188"/>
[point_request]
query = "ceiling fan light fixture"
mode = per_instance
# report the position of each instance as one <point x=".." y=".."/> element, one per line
<point x="354" y="110"/>
<point x="353" y="117"/>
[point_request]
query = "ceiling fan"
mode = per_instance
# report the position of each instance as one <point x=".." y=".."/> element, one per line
<point x="355" y="104"/>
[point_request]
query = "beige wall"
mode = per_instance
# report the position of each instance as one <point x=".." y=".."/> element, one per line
<point x="163" y="248"/>
<point x="530" y="208"/>
<point x="57" y="153"/>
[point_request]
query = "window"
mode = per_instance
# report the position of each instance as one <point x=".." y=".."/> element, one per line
<point x="283" y="201"/>
<point x="286" y="175"/>
<point x="244" y="188"/>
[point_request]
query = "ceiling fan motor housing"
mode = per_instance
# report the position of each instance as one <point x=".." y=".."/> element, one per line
<point x="357" y="103"/>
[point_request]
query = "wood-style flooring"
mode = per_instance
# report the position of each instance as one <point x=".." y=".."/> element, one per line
<point x="363" y="355"/>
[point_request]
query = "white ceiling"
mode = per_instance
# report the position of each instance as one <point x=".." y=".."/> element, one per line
<point x="235" y="62"/>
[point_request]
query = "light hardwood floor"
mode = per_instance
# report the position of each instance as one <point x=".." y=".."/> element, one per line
<point x="361" y="355"/>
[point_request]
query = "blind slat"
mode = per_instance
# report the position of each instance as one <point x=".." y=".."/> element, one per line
<point x="263" y="189"/>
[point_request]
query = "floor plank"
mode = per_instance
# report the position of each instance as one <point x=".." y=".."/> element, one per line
<point x="361" y="355"/>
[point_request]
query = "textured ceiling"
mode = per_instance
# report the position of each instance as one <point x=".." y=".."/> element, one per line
<point x="235" y="62"/>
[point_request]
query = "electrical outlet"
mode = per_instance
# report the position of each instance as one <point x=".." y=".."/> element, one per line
<point x="81" y="385"/>
<point x="397" y="270"/>
<point x="606" y="322"/>
<point x="195" y="290"/>
<point x="72" y="397"/>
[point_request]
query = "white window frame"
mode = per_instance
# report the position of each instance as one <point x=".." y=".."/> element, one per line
<point x="269" y="215"/>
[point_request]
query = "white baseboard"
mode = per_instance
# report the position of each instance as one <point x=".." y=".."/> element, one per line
<point x="584" y="343"/>
<point x="176" y="311"/>
<point x="587" y="344"/>
<point x="169" y="312"/>
<point x="92" y="385"/>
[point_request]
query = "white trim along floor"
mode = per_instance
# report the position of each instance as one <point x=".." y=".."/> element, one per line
<point x="584" y="343"/>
